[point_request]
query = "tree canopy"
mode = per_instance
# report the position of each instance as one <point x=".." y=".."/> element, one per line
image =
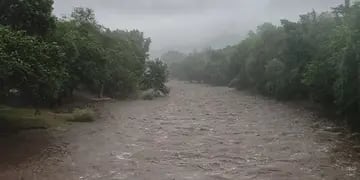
<point x="45" y="58"/>
<point x="33" y="16"/>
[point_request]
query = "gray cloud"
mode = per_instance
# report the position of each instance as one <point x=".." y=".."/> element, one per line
<point x="188" y="24"/>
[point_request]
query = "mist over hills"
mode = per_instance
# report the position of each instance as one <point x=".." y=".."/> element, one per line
<point x="273" y="11"/>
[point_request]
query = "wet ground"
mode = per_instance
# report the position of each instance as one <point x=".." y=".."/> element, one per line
<point x="198" y="132"/>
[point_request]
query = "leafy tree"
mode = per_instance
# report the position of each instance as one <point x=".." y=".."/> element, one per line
<point x="78" y="52"/>
<point x="33" y="16"/>
<point x="105" y="61"/>
<point x="34" y="68"/>
<point x="155" y="76"/>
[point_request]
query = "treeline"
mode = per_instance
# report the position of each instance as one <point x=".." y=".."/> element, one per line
<point x="208" y="66"/>
<point x="44" y="58"/>
<point x="317" y="58"/>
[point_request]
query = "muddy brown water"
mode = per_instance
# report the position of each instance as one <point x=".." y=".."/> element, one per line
<point x="197" y="133"/>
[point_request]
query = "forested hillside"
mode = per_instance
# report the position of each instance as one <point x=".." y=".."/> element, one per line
<point x="315" y="58"/>
<point x="44" y="58"/>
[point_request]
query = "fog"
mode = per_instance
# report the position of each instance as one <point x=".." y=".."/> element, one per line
<point x="185" y="25"/>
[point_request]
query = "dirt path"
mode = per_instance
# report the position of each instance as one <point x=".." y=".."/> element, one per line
<point x="199" y="133"/>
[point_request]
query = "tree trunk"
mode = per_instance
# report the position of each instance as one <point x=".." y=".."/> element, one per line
<point x="101" y="93"/>
<point x="358" y="84"/>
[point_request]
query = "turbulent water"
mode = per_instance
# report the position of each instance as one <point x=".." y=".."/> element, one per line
<point x="198" y="132"/>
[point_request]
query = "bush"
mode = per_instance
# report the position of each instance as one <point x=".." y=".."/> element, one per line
<point x="82" y="115"/>
<point x="155" y="76"/>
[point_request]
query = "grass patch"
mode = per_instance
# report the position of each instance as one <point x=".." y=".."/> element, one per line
<point x="15" y="119"/>
<point x="82" y="115"/>
<point x="25" y="118"/>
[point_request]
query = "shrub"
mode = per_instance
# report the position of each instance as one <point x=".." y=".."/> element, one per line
<point x="82" y="115"/>
<point x="155" y="76"/>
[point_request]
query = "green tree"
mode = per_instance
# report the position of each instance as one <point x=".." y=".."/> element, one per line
<point x="35" y="68"/>
<point x="33" y="16"/>
<point x="155" y="76"/>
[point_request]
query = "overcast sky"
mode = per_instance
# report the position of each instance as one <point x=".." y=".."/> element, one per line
<point x="187" y="24"/>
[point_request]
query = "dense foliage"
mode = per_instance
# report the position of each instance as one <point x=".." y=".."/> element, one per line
<point x="110" y="62"/>
<point x="32" y="66"/>
<point x="44" y="59"/>
<point x="155" y="76"/>
<point x="316" y="57"/>
<point x="34" y="16"/>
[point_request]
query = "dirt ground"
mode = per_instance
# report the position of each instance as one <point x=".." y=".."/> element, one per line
<point x="197" y="133"/>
